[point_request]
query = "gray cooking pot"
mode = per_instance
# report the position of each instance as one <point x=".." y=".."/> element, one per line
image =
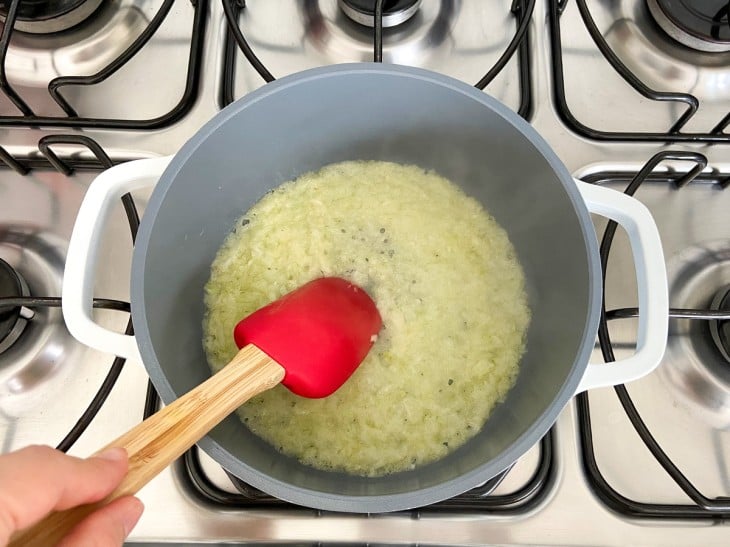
<point x="380" y="112"/>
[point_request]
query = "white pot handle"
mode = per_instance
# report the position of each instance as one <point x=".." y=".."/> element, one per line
<point x="79" y="273"/>
<point x="651" y="277"/>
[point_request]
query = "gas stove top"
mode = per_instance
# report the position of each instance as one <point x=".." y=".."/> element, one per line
<point x="631" y="95"/>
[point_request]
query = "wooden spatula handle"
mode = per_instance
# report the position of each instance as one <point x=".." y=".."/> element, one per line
<point x="165" y="436"/>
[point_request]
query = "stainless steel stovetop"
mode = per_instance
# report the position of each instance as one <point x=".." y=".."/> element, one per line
<point x="593" y="482"/>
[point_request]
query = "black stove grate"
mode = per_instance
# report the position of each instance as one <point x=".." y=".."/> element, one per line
<point x="47" y="159"/>
<point x="480" y="499"/>
<point x="701" y="507"/>
<point x="521" y="9"/>
<point x="72" y="119"/>
<point x="66" y="167"/>
<point x="673" y="134"/>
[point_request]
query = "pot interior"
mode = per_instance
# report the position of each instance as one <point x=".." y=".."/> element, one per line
<point x="303" y="122"/>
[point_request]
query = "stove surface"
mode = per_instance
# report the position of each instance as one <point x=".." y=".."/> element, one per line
<point x="47" y="381"/>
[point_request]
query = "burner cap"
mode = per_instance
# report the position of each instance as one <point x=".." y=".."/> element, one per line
<point x="699" y="24"/>
<point x="48" y="16"/>
<point x="720" y="330"/>
<point x="395" y="12"/>
<point x="13" y="320"/>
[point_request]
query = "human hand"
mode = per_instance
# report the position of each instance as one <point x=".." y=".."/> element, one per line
<point x="37" y="480"/>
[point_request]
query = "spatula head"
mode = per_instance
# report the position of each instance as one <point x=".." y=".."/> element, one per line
<point x="319" y="333"/>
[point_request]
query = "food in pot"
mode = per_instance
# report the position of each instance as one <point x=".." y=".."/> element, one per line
<point x="446" y="281"/>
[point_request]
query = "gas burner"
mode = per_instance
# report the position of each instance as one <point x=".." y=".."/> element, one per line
<point x="699" y="24"/>
<point x="49" y="16"/>
<point x="720" y="330"/>
<point x="14" y="320"/>
<point x="43" y="356"/>
<point x="395" y="12"/>
<point x="33" y="59"/>
<point x="697" y="372"/>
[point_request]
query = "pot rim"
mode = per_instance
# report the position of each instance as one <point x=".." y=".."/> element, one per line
<point x="419" y="497"/>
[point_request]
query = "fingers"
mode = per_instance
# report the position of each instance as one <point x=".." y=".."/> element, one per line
<point x="106" y="527"/>
<point x="38" y="479"/>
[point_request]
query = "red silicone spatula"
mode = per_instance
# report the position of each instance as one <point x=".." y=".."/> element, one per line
<point x="311" y="340"/>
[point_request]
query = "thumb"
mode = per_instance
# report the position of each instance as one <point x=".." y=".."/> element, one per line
<point x="107" y="527"/>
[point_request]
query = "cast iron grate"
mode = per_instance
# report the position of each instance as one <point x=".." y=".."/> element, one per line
<point x="521" y="10"/>
<point x="46" y="158"/>
<point x="99" y="160"/>
<point x="480" y="499"/>
<point x="689" y="103"/>
<point x="73" y="119"/>
<point x="701" y="507"/>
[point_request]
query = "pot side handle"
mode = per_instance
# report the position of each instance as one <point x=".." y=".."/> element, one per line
<point x="82" y="257"/>
<point x="651" y="277"/>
